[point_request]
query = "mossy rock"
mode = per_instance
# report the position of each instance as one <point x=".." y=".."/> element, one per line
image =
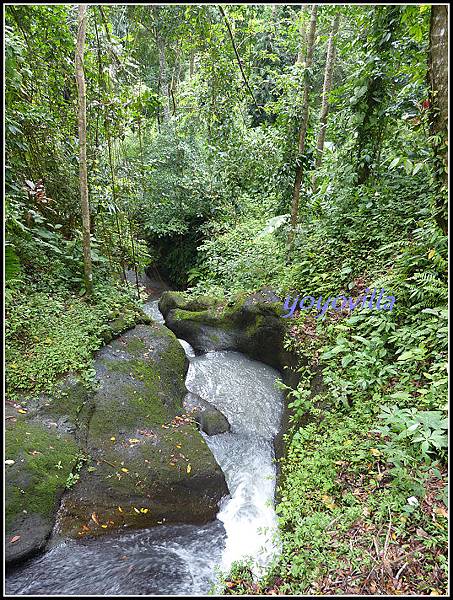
<point x="251" y="324"/>
<point x="170" y="300"/>
<point x="121" y="323"/>
<point x="147" y="456"/>
<point x="68" y="409"/>
<point x="43" y="459"/>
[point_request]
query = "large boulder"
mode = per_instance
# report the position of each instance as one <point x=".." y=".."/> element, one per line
<point x="250" y="324"/>
<point x="148" y="463"/>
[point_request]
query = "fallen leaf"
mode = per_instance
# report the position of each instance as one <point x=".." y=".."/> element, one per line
<point x="15" y="539"/>
<point x="189" y="468"/>
<point x="9" y="462"/>
<point x="144" y="510"/>
<point x="328" y="501"/>
<point x="95" y="518"/>
<point x="113" y="438"/>
<point x="22" y="411"/>
<point x="125" y="470"/>
<point x="120" y="509"/>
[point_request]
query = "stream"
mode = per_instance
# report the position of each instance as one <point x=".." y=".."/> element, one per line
<point x="186" y="559"/>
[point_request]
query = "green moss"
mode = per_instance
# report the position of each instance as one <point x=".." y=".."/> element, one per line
<point x="174" y="359"/>
<point x="148" y="404"/>
<point x="135" y="346"/>
<point x="43" y="461"/>
<point x="68" y="400"/>
<point x="126" y="321"/>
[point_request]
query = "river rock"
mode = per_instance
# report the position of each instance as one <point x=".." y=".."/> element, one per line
<point x="251" y="324"/>
<point x="148" y="463"/>
<point x="44" y="451"/>
<point x="208" y="417"/>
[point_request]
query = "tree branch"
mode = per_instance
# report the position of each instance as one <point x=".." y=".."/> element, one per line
<point x="244" y="77"/>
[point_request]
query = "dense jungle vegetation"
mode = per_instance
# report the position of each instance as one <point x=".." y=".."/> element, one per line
<point x="296" y="148"/>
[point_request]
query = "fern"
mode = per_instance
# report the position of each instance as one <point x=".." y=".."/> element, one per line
<point x="428" y="290"/>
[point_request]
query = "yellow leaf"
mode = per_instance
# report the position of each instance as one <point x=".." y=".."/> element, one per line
<point x="113" y="438"/>
<point x="120" y="509"/>
<point x="104" y="526"/>
<point x="440" y="511"/>
<point x="22" y="411"/>
<point x="328" y="501"/>
<point x="125" y="470"/>
<point x="144" y="510"/>
<point x="431" y="253"/>
<point x="375" y="452"/>
<point x="134" y="441"/>
<point x="189" y="468"/>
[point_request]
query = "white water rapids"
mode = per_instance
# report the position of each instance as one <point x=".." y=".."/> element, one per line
<point x="185" y="559"/>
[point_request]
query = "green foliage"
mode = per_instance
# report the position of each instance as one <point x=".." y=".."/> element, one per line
<point x="426" y="430"/>
<point x="49" y="335"/>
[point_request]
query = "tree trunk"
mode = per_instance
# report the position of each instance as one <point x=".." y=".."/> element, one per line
<point x="80" y="77"/>
<point x="192" y="65"/>
<point x="438" y="84"/>
<point x="303" y="34"/>
<point x="330" y="60"/>
<point x="303" y="126"/>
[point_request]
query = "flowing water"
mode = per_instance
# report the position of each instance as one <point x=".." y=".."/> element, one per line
<point x="185" y="559"/>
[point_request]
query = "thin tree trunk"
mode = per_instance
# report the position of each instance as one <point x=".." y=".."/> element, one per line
<point x="84" y="201"/>
<point x="303" y="126"/>
<point x="303" y="35"/>
<point x="438" y="84"/>
<point x="192" y="65"/>
<point x="131" y="232"/>
<point x="330" y="60"/>
<point x="118" y="228"/>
